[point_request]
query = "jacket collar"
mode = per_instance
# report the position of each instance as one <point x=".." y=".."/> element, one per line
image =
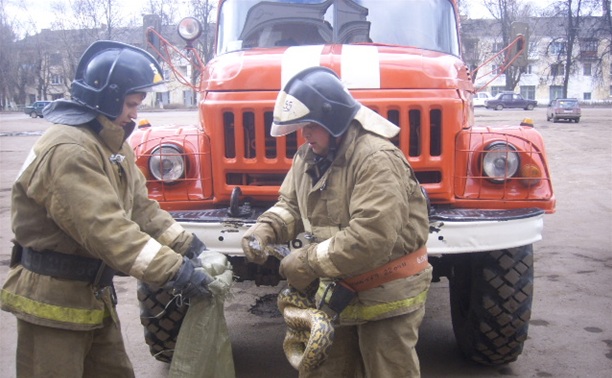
<point x="112" y="135"/>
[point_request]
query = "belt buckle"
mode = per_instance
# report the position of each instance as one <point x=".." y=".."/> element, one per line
<point x="324" y="306"/>
<point x="112" y="293"/>
<point x="341" y="296"/>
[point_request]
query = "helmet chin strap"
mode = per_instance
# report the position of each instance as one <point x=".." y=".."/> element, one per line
<point x="322" y="163"/>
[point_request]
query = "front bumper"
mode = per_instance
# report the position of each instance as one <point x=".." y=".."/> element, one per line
<point x="451" y="231"/>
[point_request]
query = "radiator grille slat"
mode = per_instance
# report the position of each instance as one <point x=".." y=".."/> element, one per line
<point x="249" y="139"/>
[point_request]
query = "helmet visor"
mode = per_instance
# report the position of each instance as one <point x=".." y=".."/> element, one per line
<point x="157" y="87"/>
<point x="290" y="114"/>
<point x="282" y="130"/>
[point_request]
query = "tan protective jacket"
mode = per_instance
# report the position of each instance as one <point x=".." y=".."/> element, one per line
<point x="81" y="193"/>
<point x="366" y="210"/>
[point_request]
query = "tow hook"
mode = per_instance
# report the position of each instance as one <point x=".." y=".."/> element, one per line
<point x="235" y="210"/>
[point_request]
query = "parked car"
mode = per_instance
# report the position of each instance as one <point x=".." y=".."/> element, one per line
<point x="480" y="98"/>
<point x="35" y="110"/>
<point x="564" y="108"/>
<point x="510" y="100"/>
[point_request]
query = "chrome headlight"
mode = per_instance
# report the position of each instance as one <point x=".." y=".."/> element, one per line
<point x="167" y="163"/>
<point x="189" y="28"/>
<point x="500" y="161"/>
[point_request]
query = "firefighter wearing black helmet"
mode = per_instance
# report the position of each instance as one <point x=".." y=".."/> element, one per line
<point x="356" y="198"/>
<point x="81" y="214"/>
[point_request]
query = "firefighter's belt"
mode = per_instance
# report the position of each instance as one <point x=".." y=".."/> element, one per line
<point x="338" y="295"/>
<point x="402" y="267"/>
<point x="69" y="267"/>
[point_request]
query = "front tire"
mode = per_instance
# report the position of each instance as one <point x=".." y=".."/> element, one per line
<point x="499" y="107"/>
<point x="491" y="295"/>
<point x="162" y="316"/>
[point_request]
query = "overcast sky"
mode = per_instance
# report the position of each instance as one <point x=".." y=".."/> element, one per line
<point x="25" y="13"/>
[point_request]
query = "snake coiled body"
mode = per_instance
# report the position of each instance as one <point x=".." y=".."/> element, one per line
<point x="310" y="332"/>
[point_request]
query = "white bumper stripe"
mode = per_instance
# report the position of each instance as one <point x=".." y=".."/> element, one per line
<point x="146" y="255"/>
<point x="360" y="66"/>
<point x="481" y="236"/>
<point x="450" y="238"/>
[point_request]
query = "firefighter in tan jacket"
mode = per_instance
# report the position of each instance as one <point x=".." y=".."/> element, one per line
<point x="357" y="199"/>
<point x="80" y="214"/>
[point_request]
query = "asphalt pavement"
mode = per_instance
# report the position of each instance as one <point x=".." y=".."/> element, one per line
<point x="570" y="333"/>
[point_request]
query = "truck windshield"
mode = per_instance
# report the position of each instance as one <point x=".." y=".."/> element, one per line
<point x="426" y="24"/>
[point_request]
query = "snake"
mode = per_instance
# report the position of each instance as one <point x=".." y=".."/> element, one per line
<point x="310" y="332"/>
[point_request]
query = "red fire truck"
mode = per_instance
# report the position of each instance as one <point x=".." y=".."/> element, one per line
<point x="489" y="187"/>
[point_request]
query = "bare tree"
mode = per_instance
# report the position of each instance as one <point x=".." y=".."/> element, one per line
<point x="577" y="43"/>
<point x="99" y="14"/>
<point x="203" y="10"/>
<point x="507" y="12"/>
<point x="166" y="10"/>
<point x="7" y="38"/>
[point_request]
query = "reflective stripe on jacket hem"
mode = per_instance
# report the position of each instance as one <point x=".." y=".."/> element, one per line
<point x="19" y="304"/>
<point x="356" y="313"/>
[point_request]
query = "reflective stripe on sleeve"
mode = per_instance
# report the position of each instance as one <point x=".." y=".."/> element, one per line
<point x="20" y="304"/>
<point x="171" y="233"/>
<point x="146" y="255"/>
<point x="286" y="216"/>
<point x="323" y="260"/>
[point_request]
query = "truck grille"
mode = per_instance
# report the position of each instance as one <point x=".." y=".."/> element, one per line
<point x="247" y="140"/>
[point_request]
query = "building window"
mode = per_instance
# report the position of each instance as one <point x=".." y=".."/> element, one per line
<point x="56" y="79"/>
<point x="555" y="91"/>
<point x="496" y="70"/>
<point x="557" y="69"/>
<point x="528" y="91"/>
<point x="588" y="48"/>
<point x="586" y="96"/>
<point x="497" y="47"/>
<point x="55" y="59"/>
<point x="586" y="69"/>
<point x="557" y="47"/>
<point x="610" y="91"/>
<point x="497" y="89"/>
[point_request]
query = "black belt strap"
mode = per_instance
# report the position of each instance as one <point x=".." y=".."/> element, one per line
<point x="69" y="267"/>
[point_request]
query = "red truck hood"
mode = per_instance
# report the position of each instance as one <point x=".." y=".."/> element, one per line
<point x="360" y="67"/>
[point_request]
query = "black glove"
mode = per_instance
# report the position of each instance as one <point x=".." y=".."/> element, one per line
<point x="195" y="248"/>
<point x="190" y="282"/>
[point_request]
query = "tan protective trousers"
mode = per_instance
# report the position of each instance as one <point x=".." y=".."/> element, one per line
<point x="52" y="352"/>
<point x="384" y="348"/>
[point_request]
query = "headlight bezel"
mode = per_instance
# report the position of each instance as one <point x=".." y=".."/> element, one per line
<point x="172" y="154"/>
<point x="500" y="162"/>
